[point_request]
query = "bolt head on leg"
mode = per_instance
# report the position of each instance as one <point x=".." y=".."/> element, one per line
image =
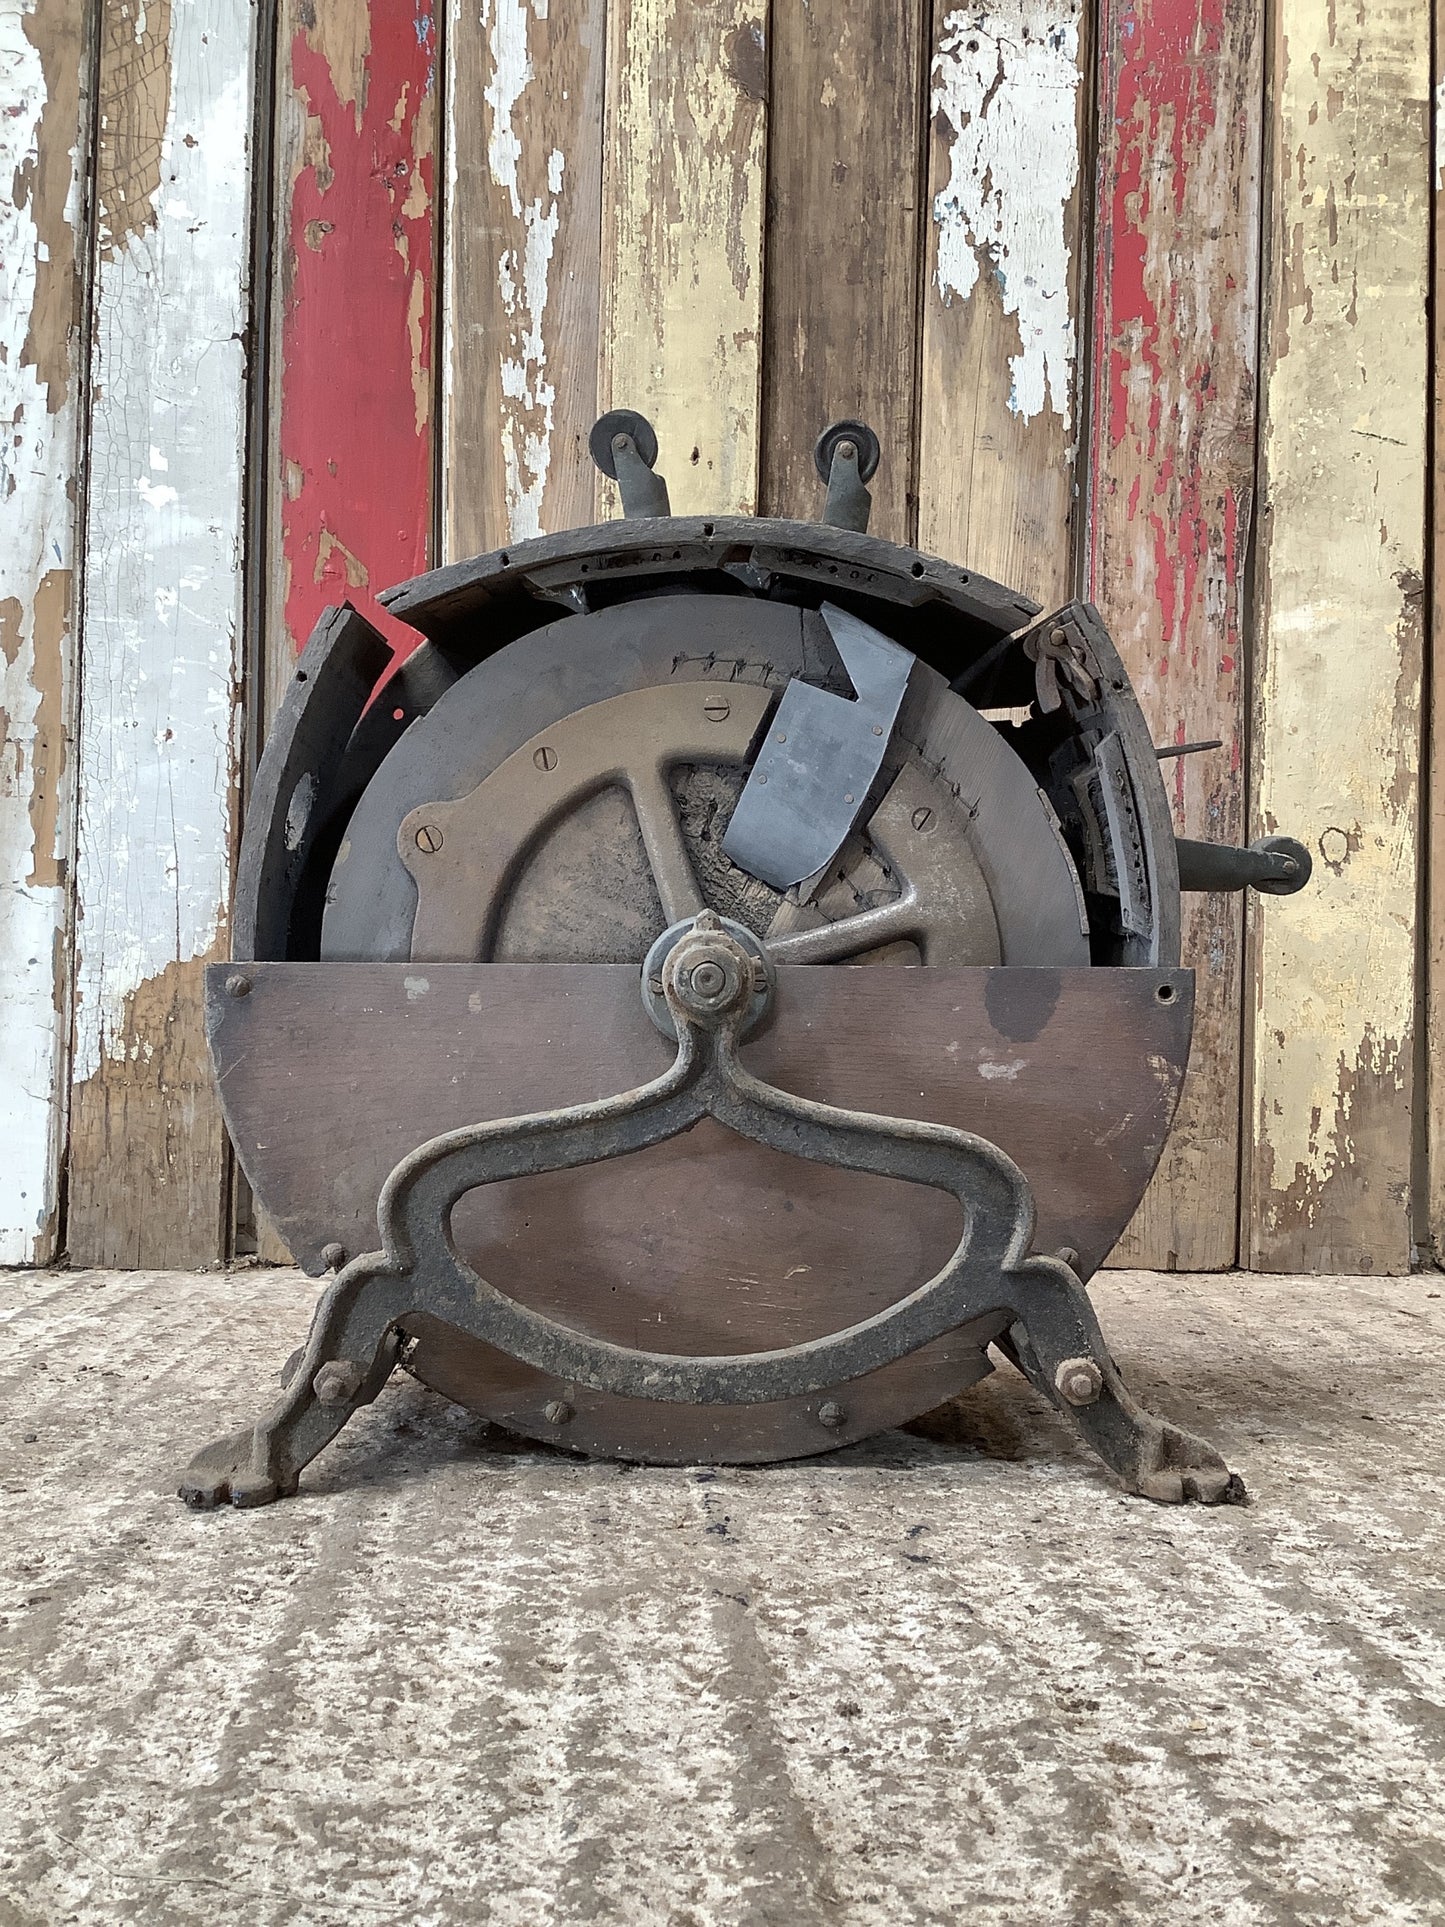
<point x="1079" y="1381"/>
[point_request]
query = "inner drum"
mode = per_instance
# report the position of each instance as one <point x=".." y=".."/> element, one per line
<point x="708" y="1244"/>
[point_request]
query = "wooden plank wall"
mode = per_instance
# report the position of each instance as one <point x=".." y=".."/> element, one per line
<point x="1134" y="291"/>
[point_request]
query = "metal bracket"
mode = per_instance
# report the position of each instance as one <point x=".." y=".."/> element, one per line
<point x="819" y="759"/>
<point x="711" y="986"/>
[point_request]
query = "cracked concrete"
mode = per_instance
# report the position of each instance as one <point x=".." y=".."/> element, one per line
<point x="926" y="1680"/>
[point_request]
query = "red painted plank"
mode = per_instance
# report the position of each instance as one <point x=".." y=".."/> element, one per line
<point x="357" y="277"/>
<point x="1171" y="480"/>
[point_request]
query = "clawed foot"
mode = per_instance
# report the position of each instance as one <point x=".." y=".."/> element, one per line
<point x="1180" y="1467"/>
<point x="227" y="1473"/>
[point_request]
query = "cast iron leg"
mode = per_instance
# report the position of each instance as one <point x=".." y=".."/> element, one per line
<point x="348" y="1358"/>
<point x="1057" y="1344"/>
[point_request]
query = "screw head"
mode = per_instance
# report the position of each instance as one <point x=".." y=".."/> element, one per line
<point x="558" y="1411"/>
<point x="338" y="1381"/>
<point x="831" y="1414"/>
<point x="333" y="1256"/>
<point x="717" y="709"/>
<point x="428" y="839"/>
<point x="545" y="757"/>
<point x="238" y="984"/>
<point x="923" y="819"/>
<point x="1079" y="1381"/>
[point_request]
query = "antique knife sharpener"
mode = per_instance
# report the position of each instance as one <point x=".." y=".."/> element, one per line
<point x="547" y="970"/>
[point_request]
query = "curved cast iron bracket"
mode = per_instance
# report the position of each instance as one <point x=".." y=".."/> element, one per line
<point x="712" y="983"/>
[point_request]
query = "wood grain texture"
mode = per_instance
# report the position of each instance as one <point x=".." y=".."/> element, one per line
<point x="1430" y="1147"/>
<point x="160" y="716"/>
<point x="1337" y="724"/>
<point x="998" y="426"/>
<point x="682" y="240"/>
<point x="523" y="226"/>
<point x="350" y="479"/>
<point x="841" y="289"/>
<point x="1171" y="483"/>
<point x="44" y="55"/>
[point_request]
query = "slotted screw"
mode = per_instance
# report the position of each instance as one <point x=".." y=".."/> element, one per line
<point x="545" y="757"/>
<point x="923" y="819"/>
<point x="558" y="1412"/>
<point x="428" y="839"/>
<point x="717" y="709"/>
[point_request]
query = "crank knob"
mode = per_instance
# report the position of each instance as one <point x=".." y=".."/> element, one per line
<point x="863" y="439"/>
<point x="621" y="421"/>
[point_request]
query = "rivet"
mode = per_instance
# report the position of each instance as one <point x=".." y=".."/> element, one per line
<point x="717" y="709"/>
<point x="849" y="797"/>
<point x="429" y="839"/>
<point x="338" y="1381"/>
<point x="877" y="729"/>
<point x="782" y="736"/>
<point x="1289" y="867"/>
<point x="545" y="757"/>
<point x="333" y="1256"/>
<point x="831" y="1414"/>
<point x="238" y="985"/>
<point x="761" y="777"/>
<point x="558" y="1412"/>
<point x="923" y="819"/>
<point x="1058" y="637"/>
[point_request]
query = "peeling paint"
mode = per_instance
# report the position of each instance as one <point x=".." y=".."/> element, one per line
<point x="1171" y="479"/>
<point x="1336" y="749"/>
<point x="682" y="241"/>
<point x="356" y="274"/>
<point x="43" y="61"/>
<point x="1005" y="87"/>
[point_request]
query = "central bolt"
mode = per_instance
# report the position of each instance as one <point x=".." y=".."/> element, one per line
<point x="707" y="979"/>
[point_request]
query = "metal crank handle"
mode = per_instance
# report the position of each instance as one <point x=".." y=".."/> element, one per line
<point x="1277" y="866"/>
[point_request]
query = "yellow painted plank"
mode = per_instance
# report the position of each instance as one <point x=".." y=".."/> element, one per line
<point x="1337" y="723"/>
<point x="998" y="427"/>
<point x="682" y="240"/>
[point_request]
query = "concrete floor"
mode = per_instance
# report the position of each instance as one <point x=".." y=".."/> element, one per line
<point x="928" y="1680"/>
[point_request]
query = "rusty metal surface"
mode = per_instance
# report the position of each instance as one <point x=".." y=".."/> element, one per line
<point x="331" y="1074"/>
<point x="711" y="983"/>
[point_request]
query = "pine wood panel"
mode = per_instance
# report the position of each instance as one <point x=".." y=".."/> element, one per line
<point x="350" y="461"/>
<point x="44" y="54"/>
<point x="841" y="294"/>
<point x="159" y="716"/>
<point x="523" y="226"/>
<point x="1171" y="483"/>
<point x="1337" y="724"/>
<point x="998" y="423"/>
<point x="682" y="240"/>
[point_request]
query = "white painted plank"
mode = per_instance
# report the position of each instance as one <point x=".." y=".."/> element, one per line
<point x="160" y="716"/>
<point x="42" y="64"/>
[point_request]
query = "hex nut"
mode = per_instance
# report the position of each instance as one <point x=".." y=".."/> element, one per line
<point x="831" y="1414"/>
<point x="558" y="1411"/>
<point x="1079" y="1381"/>
<point x="338" y="1380"/>
<point x="708" y="978"/>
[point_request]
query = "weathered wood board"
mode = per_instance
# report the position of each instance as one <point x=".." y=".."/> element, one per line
<point x="999" y="417"/>
<point x="159" y="725"/>
<point x="1430" y="1140"/>
<point x="522" y="281"/>
<point x="1337" y="723"/>
<point x="351" y="406"/>
<point x="845" y="151"/>
<point x="44" y="58"/>
<point x="682" y="240"/>
<point x="1171" y="483"/>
